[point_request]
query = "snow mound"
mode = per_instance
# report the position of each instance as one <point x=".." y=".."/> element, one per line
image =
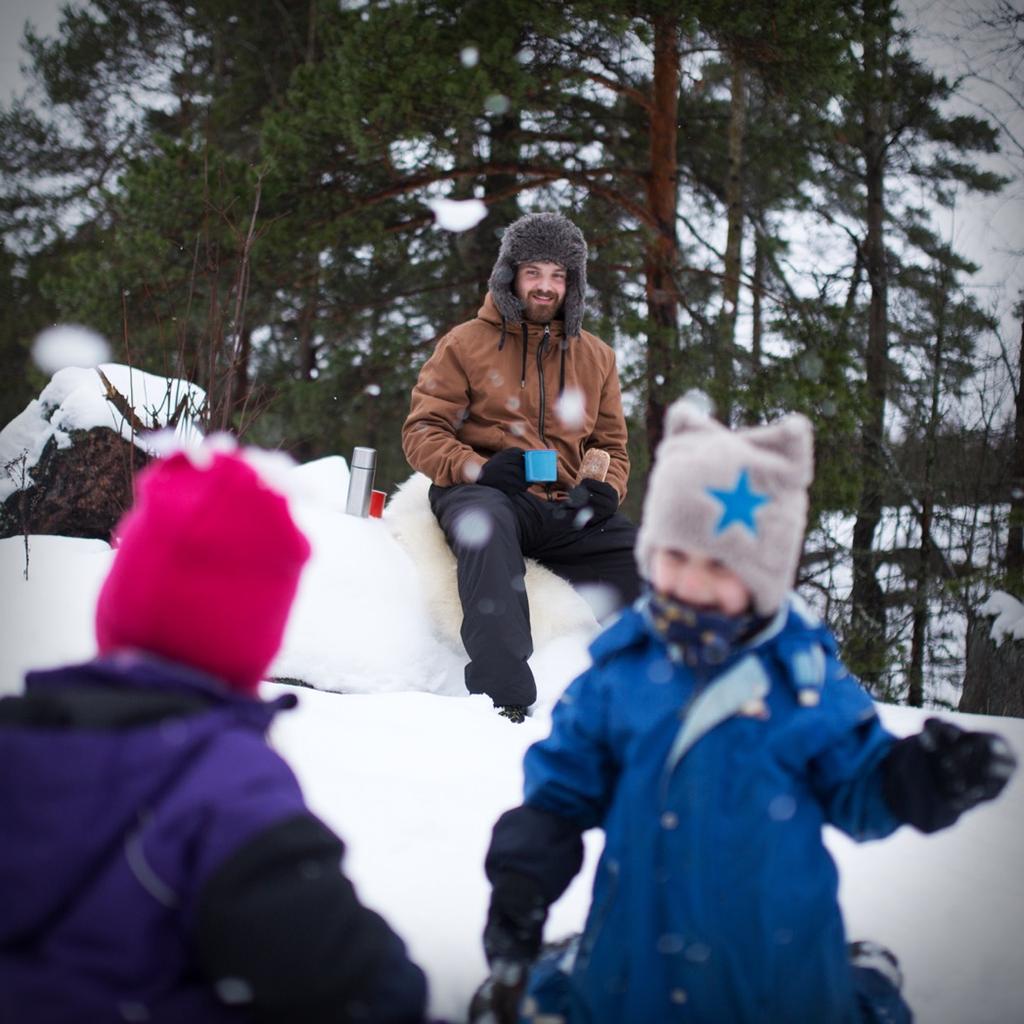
<point x="76" y="399"/>
<point x="47" y="617"/>
<point x="359" y="623"/>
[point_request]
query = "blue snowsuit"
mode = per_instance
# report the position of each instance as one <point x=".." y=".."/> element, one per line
<point x="715" y="898"/>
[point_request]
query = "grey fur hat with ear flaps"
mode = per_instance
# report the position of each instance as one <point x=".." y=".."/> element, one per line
<point x="550" y="238"/>
<point x="739" y="496"/>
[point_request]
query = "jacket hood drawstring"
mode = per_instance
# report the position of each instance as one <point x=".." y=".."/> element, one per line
<point x="522" y="376"/>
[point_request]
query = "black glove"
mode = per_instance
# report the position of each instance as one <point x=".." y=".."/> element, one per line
<point x="595" y="496"/>
<point x="497" y="1000"/>
<point x="930" y="779"/>
<point x="505" y="471"/>
<point x="515" y="920"/>
<point x="512" y="940"/>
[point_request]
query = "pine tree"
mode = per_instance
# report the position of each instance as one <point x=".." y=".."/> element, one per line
<point x="935" y="363"/>
<point x="890" y="120"/>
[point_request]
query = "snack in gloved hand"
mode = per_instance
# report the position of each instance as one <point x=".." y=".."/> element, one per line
<point x="595" y="465"/>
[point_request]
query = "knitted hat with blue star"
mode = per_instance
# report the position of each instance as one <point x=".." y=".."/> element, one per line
<point x="739" y="496"/>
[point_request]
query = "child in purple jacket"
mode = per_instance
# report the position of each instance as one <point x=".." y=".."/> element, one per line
<point x="157" y="861"/>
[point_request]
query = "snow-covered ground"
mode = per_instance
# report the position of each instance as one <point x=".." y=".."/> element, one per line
<point x="413" y="773"/>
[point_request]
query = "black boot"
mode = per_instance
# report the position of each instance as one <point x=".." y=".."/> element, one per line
<point x="513" y="712"/>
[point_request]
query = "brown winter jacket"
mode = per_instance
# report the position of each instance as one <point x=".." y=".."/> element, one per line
<point x="478" y="394"/>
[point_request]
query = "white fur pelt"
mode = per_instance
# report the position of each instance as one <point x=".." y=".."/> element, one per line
<point x="555" y="607"/>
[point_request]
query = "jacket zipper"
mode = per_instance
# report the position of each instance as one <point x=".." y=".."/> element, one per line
<point x="540" y="373"/>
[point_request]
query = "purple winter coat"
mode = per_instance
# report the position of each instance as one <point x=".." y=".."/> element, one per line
<point x="158" y="863"/>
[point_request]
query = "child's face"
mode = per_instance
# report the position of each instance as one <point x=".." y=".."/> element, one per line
<point x="699" y="581"/>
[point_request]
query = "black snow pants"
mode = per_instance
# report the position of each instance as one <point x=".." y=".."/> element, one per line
<point x="490" y="534"/>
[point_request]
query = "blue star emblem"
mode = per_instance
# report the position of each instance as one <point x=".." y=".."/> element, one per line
<point x="740" y="504"/>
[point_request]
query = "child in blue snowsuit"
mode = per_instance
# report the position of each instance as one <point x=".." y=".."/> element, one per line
<point x="158" y="861"/>
<point x="714" y="736"/>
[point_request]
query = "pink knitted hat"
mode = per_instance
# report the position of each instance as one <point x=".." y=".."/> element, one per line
<point x="739" y="496"/>
<point x="206" y="569"/>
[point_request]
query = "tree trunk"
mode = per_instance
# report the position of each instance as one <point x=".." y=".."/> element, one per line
<point x="1014" y="560"/>
<point x="306" y="333"/>
<point x="662" y="244"/>
<point x="919" y="638"/>
<point x="753" y="402"/>
<point x="994" y="679"/>
<point x="868" y="618"/>
<point x="241" y="384"/>
<point x="725" y="346"/>
<point x="477" y="248"/>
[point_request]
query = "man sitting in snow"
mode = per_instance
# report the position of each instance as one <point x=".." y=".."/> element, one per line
<point x="523" y="375"/>
<point x="158" y="861"/>
<point x="712" y="739"/>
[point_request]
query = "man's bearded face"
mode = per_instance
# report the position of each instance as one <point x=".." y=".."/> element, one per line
<point x="540" y="286"/>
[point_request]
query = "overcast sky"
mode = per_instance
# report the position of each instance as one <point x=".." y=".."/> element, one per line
<point x="989" y="230"/>
<point x="44" y="15"/>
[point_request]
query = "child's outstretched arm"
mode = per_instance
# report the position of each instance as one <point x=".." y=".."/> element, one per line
<point x="931" y="778"/>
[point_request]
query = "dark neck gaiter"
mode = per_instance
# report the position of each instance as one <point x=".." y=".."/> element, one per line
<point x="697" y="637"/>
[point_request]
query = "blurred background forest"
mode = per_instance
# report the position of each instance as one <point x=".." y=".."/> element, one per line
<point x="236" y="194"/>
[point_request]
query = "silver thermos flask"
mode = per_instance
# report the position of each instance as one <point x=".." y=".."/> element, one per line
<point x="360" y="481"/>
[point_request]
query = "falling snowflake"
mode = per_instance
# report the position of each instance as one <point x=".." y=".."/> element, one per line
<point x="496" y="103"/>
<point x="571" y="408"/>
<point x="457" y="214"/>
<point x="69" y="345"/>
<point x="700" y="400"/>
<point x="473" y="528"/>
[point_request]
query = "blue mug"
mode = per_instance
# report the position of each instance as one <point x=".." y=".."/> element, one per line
<point x="541" y="465"/>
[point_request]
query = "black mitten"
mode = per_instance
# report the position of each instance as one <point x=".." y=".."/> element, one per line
<point x="930" y="779"/>
<point x="595" y="496"/>
<point x="505" y="471"/>
<point x="515" y="920"/>
<point x="497" y="1000"/>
